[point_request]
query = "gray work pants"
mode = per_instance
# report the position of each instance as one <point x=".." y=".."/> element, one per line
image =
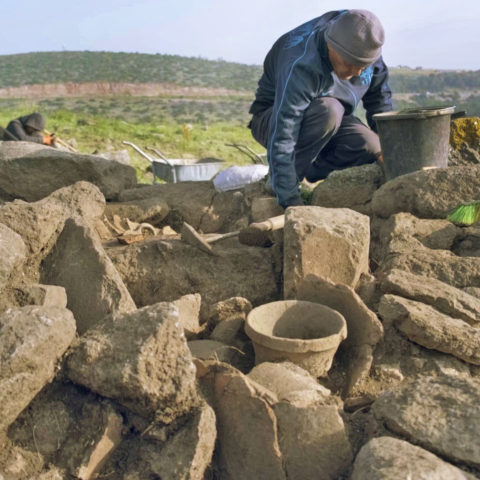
<point x="328" y="139"/>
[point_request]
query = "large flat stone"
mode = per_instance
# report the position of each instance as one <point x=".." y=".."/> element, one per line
<point x="445" y="298"/>
<point x="442" y="265"/>
<point x="439" y="414"/>
<point x="388" y="458"/>
<point x="32" y="339"/>
<point x="80" y="265"/>
<point x="331" y="243"/>
<point x="174" y="268"/>
<point x="428" y="327"/>
<point x="139" y="359"/>
<point x="32" y="172"/>
<point x="349" y="188"/>
<point x="428" y="193"/>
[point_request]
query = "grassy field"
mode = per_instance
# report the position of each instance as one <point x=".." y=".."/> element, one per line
<point x="101" y="124"/>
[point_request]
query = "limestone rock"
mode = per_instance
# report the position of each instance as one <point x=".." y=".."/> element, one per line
<point x="12" y="253"/>
<point x="235" y="307"/>
<point x="349" y="188"/>
<point x="32" y="339"/>
<point x="418" y="193"/>
<point x="33" y="172"/>
<point x="428" y="327"/>
<point x="40" y="223"/>
<point x="176" y="268"/>
<point x="311" y="433"/>
<point x="139" y="359"/>
<point x="439" y="414"/>
<point x="289" y="382"/>
<point x="387" y="458"/>
<point x="189" y="314"/>
<point x="42" y="295"/>
<point x="405" y="233"/>
<point x="78" y="255"/>
<point x="445" y="298"/>
<point x="330" y="243"/>
<point x="439" y="264"/>
<point x="229" y="331"/>
<point x="247" y="429"/>
<point x="313" y="441"/>
<point x="301" y="436"/>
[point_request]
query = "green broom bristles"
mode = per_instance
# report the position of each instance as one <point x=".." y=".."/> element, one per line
<point x="466" y="214"/>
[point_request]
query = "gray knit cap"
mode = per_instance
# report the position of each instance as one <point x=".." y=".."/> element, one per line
<point x="357" y="35"/>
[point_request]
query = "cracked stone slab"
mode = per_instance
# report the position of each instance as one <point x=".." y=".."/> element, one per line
<point x="439" y="414"/>
<point x="445" y="298"/>
<point x="388" y="458"/>
<point x="426" y="326"/>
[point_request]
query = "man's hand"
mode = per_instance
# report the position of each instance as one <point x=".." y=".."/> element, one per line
<point x="49" y="139"/>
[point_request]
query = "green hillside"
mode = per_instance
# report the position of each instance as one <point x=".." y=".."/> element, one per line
<point x="83" y="67"/>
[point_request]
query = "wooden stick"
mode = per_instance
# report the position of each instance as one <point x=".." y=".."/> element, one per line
<point x="62" y="143"/>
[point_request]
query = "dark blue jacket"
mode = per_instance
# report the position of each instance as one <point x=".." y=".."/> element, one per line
<point x="296" y="71"/>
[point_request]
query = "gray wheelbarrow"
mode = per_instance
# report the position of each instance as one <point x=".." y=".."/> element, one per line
<point x="175" y="170"/>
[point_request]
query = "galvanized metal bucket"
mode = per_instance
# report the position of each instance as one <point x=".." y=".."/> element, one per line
<point x="414" y="139"/>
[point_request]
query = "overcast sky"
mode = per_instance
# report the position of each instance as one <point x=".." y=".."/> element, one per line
<point x="440" y="34"/>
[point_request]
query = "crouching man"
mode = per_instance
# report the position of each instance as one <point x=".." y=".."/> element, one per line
<point x="313" y="80"/>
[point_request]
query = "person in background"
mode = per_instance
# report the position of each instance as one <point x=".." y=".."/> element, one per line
<point x="313" y="80"/>
<point x="28" y="129"/>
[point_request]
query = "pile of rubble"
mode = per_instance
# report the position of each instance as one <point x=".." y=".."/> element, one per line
<point x="131" y="361"/>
